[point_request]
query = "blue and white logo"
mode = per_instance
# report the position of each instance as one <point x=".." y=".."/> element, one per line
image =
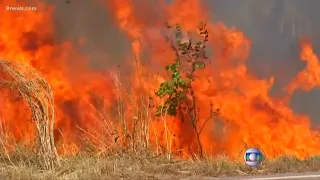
<point x="253" y="157"/>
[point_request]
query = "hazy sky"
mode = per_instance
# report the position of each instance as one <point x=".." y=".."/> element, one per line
<point x="274" y="26"/>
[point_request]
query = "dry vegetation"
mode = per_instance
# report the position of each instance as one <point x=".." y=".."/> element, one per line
<point x="129" y="163"/>
<point x="24" y="165"/>
<point x="32" y="88"/>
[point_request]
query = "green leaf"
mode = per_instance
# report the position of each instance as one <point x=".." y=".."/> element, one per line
<point x="175" y="75"/>
<point x="172" y="67"/>
<point x="175" y="89"/>
<point x="172" y="111"/>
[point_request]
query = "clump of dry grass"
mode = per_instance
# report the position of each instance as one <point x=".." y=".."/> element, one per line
<point x="34" y="89"/>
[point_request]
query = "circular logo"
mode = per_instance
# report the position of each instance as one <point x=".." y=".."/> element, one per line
<point x="253" y="157"/>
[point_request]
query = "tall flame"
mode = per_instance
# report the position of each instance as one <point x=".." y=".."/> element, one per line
<point x="249" y="116"/>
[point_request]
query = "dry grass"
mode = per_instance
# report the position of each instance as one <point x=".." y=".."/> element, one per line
<point x="25" y="165"/>
<point x="127" y="162"/>
<point x="33" y="89"/>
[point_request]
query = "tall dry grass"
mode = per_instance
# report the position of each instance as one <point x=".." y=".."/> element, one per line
<point x="126" y="151"/>
<point x="34" y="89"/>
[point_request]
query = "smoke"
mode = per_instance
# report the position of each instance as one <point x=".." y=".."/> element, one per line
<point x="90" y="21"/>
<point x="274" y="26"/>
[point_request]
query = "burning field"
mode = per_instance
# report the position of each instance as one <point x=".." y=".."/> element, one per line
<point x="112" y="109"/>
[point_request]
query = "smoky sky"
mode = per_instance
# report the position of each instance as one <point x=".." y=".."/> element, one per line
<point x="273" y="26"/>
<point x="91" y="20"/>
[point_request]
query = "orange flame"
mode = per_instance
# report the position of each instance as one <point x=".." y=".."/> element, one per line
<point x="249" y="116"/>
<point x="309" y="78"/>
